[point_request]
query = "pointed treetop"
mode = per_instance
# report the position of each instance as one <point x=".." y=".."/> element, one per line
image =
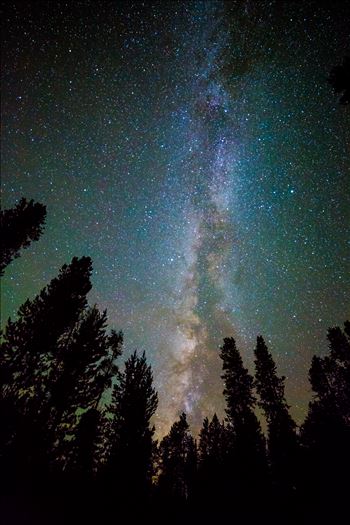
<point x="269" y="386"/>
<point x="238" y="383"/>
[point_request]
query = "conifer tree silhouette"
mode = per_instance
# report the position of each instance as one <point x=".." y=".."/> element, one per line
<point x="330" y="381"/>
<point x="29" y="351"/>
<point x="212" y="442"/>
<point x="282" y="439"/>
<point x="30" y="343"/>
<point x="134" y="402"/>
<point x="85" y="367"/>
<point x="246" y="462"/>
<point x="105" y="374"/>
<point x="177" y="453"/>
<point x="19" y="226"/>
<point x="326" y="430"/>
<point x="212" y="458"/>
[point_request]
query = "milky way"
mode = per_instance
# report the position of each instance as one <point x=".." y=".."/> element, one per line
<point x="197" y="153"/>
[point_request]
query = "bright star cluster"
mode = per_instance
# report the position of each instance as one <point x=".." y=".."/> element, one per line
<point x="196" y="152"/>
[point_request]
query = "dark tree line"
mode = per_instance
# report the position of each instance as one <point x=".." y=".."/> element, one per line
<point x="77" y="441"/>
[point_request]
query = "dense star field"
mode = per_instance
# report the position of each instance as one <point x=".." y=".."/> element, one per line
<point x="197" y="153"/>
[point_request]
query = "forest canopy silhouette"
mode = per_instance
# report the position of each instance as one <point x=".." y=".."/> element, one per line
<point x="77" y="440"/>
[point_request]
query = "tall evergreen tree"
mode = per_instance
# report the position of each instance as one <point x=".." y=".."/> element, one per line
<point x="282" y="439"/>
<point x="177" y="453"/>
<point x="77" y="355"/>
<point x="101" y="375"/>
<point x="30" y="346"/>
<point x="212" y="458"/>
<point x="134" y="402"/>
<point x="212" y="438"/>
<point x="85" y="367"/>
<point x="247" y="467"/>
<point x="105" y="375"/>
<point x="330" y="381"/>
<point x="326" y="431"/>
<point x="19" y="226"/>
<point x="30" y="343"/>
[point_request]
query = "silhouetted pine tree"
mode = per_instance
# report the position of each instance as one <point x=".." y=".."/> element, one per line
<point x="85" y="367"/>
<point x="204" y="440"/>
<point x="100" y="376"/>
<point x="29" y="350"/>
<point x="282" y="439"/>
<point x="177" y="453"/>
<point x="19" y="226"/>
<point x="246" y="464"/>
<point x="212" y="456"/>
<point x="212" y="439"/>
<point x="326" y="431"/>
<point x="134" y="402"/>
<point x="106" y="373"/>
<point x="77" y="354"/>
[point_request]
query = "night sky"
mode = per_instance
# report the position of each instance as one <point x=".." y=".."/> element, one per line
<point x="197" y="153"/>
